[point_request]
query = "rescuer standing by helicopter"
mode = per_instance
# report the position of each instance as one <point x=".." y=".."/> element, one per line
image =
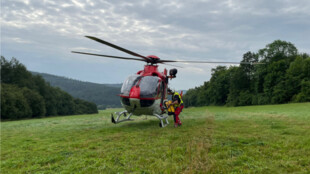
<point x="178" y="105"/>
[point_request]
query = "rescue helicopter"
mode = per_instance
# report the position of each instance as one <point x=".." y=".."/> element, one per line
<point x="145" y="92"/>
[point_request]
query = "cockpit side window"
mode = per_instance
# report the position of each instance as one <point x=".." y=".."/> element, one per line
<point x="129" y="83"/>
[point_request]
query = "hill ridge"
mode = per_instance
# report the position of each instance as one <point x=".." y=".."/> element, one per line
<point x="104" y="95"/>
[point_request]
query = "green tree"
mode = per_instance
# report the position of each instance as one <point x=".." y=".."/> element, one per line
<point x="35" y="101"/>
<point x="278" y="50"/>
<point x="190" y="98"/>
<point x="301" y="71"/>
<point x="219" y="85"/>
<point x="304" y="95"/>
<point x="275" y="77"/>
<point x="203" y="97"/>
<point x="14" y="72"/>
<point x="13" y="103"/>
<point x="65" y="103"/>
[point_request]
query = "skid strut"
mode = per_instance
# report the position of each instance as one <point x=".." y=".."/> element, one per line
<point x="119" y="114"/>
<point x="162" y="118"/>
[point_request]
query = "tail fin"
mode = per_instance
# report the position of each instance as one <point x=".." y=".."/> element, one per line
<point x="181" y="94"/>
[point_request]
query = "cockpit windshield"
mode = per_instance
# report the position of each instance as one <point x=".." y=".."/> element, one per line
<point x="149" y="85"/>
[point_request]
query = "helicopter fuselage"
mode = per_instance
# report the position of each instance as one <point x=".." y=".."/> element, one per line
<point x="144" y="92"/>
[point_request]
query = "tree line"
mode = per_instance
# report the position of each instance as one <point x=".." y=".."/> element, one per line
<point x="24" y="95"/>
<point x="284" y="77"/>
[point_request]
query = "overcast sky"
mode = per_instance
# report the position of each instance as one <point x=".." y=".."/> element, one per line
<point x="42" y="33"/>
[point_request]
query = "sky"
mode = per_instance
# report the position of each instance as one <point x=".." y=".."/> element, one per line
<point x="42" y="33"/>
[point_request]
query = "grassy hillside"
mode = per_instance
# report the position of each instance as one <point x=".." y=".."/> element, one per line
<point x="101" y="94"/>
<point x="256" y="139"/>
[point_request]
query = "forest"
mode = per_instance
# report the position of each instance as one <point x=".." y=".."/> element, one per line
<point x="24" y="95"/>
<point x="283" y="78"/>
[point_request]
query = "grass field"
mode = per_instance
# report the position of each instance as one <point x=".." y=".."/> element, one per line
<point x="255" y="139"/>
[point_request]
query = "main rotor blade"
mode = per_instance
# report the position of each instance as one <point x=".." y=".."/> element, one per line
<point x="101" y="55"/>
<point x="172" y="65"/>
<point x="117" y="47"/>
<point x="181" y="61"/>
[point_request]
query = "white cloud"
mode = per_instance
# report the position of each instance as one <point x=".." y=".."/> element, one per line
<point x="78" y="4"/>
<point x="184" y="30"/>
<point x="19" y="40"/>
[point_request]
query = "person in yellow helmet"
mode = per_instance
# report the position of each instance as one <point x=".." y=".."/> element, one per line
<point x="177" y="102"/>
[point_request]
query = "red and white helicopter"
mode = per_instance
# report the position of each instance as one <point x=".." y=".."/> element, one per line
<point x="144" y="93"/>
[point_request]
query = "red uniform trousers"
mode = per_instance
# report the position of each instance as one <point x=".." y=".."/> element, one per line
<point x="177" y="112"/>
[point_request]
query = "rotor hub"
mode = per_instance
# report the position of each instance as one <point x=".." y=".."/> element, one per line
<point x="153" y="59"/>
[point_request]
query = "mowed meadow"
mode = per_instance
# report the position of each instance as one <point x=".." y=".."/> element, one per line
<point x="252" y="139"/>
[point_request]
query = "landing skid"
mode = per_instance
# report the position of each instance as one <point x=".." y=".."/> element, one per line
<point x="162" y="118"/>
<point x="119" y="114"/>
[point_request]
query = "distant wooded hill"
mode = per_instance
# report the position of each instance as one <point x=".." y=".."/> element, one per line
<point x="104" y="95"/>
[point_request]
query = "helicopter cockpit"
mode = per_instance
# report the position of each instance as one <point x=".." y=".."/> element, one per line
<point x="150" y="86"/>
